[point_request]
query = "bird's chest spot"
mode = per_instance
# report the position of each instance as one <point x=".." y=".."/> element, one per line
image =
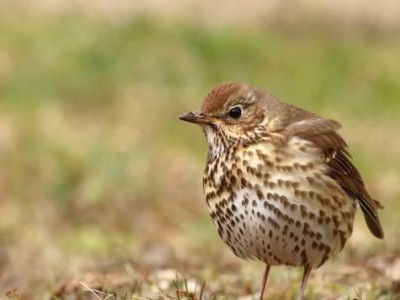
<point x="237" y="174"/>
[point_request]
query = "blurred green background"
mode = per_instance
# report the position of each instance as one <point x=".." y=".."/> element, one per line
<point x="96" y="168"/>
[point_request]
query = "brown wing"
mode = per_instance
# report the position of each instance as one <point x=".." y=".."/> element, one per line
<point x="322" y="133"/>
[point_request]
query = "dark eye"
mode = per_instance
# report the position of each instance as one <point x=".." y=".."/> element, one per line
<point x="235" y="112"/>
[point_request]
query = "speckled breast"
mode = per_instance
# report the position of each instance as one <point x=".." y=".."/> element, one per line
<point x="278" y="204"/>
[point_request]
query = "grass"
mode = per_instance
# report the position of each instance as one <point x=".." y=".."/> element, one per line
<point x="100" y="185"/>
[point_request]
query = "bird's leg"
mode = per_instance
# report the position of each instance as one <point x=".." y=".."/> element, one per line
<point x="264" y="281"/>
<point x="307" y="271"/>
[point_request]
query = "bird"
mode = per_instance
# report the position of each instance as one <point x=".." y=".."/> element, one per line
<point x="279" y="181"/>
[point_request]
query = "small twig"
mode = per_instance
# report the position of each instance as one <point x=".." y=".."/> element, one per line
<point x="202" y="290"/>
<point x="176" y="283"/>
<point x="96" y="292"/>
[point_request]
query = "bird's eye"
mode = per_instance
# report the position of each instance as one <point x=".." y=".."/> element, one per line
<point x="235" y="112"/>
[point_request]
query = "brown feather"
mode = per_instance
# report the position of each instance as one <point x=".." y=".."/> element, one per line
<point x="218" y="96"/>
<point x="322" y="133"/>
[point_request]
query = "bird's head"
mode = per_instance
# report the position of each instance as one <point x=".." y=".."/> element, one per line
<point x="232" y="112"/>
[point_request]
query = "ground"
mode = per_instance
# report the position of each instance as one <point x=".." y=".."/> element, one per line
<point x="100" y="183"/>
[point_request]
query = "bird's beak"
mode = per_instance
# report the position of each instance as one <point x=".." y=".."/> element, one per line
<point x="196" y="117"/>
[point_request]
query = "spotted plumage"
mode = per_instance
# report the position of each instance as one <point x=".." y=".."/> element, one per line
<point x="279" y="182"/>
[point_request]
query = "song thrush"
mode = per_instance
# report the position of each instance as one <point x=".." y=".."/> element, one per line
<point x="278" y="182"/>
